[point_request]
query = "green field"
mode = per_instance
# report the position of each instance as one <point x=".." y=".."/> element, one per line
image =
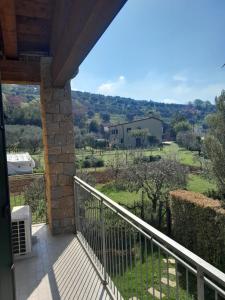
<point x="196" y="183"/>
<point x="199" y="184"/>
<point x="173" y="151"/>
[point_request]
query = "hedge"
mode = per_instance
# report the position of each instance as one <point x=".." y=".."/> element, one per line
<point x="198" y="223"/>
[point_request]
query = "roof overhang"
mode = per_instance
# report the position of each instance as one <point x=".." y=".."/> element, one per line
<point x="65" y="30"/>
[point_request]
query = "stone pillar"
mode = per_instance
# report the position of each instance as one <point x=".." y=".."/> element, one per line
<point x="59" y="156"/>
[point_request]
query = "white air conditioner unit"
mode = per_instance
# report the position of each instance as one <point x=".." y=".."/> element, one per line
<point x="21" y="219"/>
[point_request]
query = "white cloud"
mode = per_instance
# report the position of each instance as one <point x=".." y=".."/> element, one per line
<point x="111" y="87"/>
<point x="156" y="86"/>
<point x="180" y="78"/>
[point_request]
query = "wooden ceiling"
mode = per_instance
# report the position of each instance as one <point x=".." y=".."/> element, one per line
<point x="65" y="29"/>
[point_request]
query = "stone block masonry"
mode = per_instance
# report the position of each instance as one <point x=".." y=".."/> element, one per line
<point x="59" y="156"/>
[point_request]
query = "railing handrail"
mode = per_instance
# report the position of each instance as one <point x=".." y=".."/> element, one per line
<point x="199" y="263"/>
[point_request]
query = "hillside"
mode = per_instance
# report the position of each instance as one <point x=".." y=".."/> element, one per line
<point x="21" y="105"/>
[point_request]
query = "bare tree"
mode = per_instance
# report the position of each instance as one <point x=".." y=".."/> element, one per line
<point x="155" y="179"/>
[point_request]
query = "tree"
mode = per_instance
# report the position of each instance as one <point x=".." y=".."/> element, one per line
<point x="94" y="126"/>
<point x="90" y="114"/>
<point x="182" y="126"/>
<point x="105" y="117"/>
<point x="20" y="137"/>
<point x="215" y="142"/>
<point x="189" y="140"/>
<point x="155" y="179"/>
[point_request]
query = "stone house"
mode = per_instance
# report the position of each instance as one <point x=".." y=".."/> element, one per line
<point x="136" y="134"/>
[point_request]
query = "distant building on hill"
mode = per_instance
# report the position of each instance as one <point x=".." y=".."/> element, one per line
<point x="136" y="134"/>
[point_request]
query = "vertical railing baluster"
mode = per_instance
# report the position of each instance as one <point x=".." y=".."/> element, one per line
<point x="102" y="220"/>
<point x="77" y="213"/>
<point x="177" y="282"/>
<point x="130" y="242"/>
<point x="200" y="284"/>
<point x="167" y="271"/>
<point x="146" y="266"/>
<point x="122" y="251"/>
<point x="141" y="265"/>
<point x="153" y="269"/>
<point x="159" y="266"/>
<point x="216" y="295"/>
<point x="135" y="263"/>
<point x="187" y="284"/>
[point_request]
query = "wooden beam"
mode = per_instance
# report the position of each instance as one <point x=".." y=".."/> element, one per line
<point x="8" y="25"/>
<point x="86" y="22"/>
<point x="13" y="71"/>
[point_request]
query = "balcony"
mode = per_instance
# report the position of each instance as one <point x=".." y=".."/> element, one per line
<point x="113" y="255"/>
<point x="57" y="269"/>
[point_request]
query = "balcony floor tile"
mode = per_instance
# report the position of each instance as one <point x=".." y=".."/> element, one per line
<point x="58" y="268"/>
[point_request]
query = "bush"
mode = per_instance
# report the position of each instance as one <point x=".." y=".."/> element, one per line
<point x="86" y="163"/>
<point x="147" y="159"/>
<point x="34" y="196"/>
<point x="198" y="224"/>
<point x="92" y="162"/>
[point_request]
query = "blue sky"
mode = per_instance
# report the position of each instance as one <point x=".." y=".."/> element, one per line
<point x="164" y="50"/>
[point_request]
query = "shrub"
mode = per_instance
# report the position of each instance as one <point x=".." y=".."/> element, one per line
<point x="92" y="162"/>
<point x="34" y="196"/>
<point x="86" y="163"/>
<point x="198" y="224"/>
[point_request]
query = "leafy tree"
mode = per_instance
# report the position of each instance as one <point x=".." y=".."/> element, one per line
<point x="215" y="142"/>
<point x="182" y="126"/>
<point x="20" y="137"/>
<point x="94" y="126"/>
<point x="90" y="114"/>
<point x="105" y="117"/>
<point x="189" y="140"/>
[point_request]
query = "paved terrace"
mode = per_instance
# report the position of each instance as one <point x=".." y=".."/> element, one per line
<point x="57" y="269"/>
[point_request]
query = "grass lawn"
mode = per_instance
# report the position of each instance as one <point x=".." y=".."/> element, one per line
<point x="196" y="183"/>
<point x="174" y="151"/>
<point x="137" y="279"/>
<point x="123" y="197"/>
<point x="199" y="184"/>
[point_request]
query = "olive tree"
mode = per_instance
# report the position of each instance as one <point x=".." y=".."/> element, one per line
<point x="155" y="179"/>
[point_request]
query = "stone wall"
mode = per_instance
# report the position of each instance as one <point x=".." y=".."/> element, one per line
<point x="199" y="225"/>
<point x="17" y="183"/>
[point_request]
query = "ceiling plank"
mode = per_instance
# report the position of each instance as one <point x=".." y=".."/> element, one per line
<point x="87" y="21"/>
<point x="8" y="25"/>
<point x="13" y="71"/>
<point x="34" y="8"/>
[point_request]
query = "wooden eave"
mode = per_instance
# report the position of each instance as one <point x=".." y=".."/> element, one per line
<point x="66" y="30"/>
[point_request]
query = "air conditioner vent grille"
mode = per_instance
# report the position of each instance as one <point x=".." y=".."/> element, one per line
<point x="18" y="237"/>
<point x="21" y="230"/>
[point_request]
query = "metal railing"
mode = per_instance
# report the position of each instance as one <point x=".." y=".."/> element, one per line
<point x="135" y="260"/>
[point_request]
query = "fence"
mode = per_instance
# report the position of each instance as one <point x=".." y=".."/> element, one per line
<point x="135" y="260"/>
<point x="34" y="196"/>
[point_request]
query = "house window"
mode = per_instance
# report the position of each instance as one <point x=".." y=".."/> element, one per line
<point x="128" y="129"/>
<point x="114" y="131"/>
<point x="121" y="141"/>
